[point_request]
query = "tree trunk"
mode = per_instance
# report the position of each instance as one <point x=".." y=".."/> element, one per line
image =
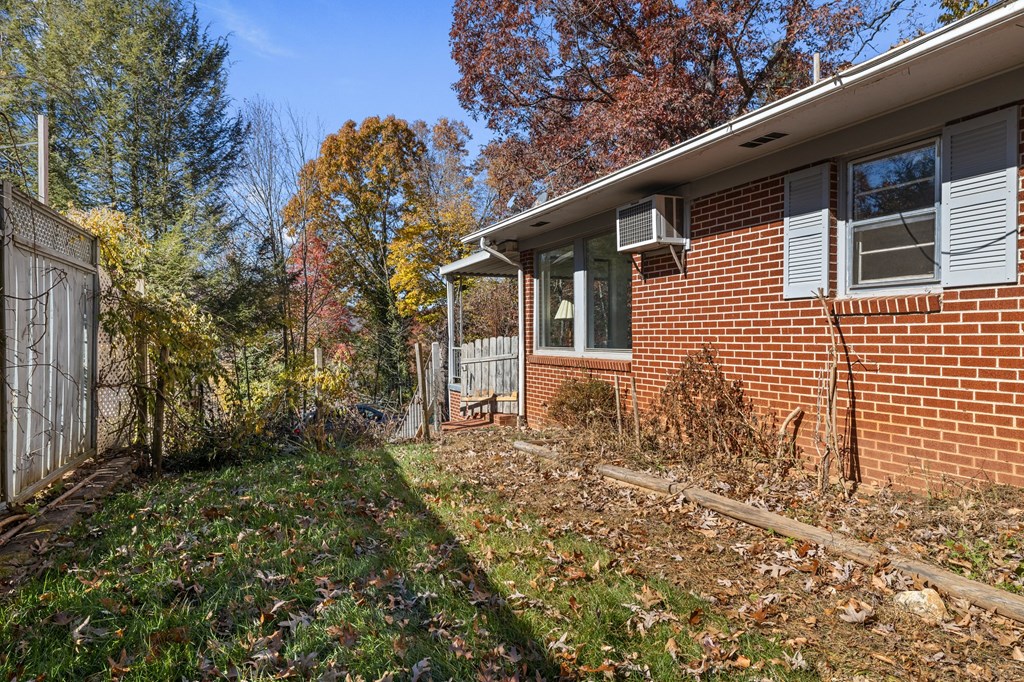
<point x="141" y="389"/>
<point x="158" y="411"/>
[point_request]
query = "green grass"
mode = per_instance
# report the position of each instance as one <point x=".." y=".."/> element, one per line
<point x="366" y="562"/>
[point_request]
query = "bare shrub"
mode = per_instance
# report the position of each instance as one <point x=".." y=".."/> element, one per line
<point x="583" y="402"/>
<point x="701" y="415"/>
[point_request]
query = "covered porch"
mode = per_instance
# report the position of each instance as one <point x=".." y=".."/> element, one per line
<point x="485" y="376"/>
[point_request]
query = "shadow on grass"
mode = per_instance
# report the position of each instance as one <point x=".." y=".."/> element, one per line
<point x="462" y="624"/>
<point x="315" y="565"/>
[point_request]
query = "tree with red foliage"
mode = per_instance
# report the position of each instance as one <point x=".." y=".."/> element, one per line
<point x="577" y="88"/>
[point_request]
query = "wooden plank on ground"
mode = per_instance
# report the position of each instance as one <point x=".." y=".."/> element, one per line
<point x="636" y="478"/>
<point x="536" y="450"/>
<point x="980" y="594"/>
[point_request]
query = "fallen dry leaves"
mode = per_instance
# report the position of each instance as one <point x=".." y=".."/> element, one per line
<point x="836" y="615"/>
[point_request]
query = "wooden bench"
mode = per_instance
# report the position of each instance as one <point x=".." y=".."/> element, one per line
<point x="488" y="399"/>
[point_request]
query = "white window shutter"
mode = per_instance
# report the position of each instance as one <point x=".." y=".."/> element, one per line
<point x="805" y="241"/>
<point x="979" y="200"/>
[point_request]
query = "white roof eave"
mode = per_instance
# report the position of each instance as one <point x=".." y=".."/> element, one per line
<point x="478" y="263"/>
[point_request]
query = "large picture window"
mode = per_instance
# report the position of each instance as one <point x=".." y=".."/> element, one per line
<point x="583" y="297"/>
<point x="893" y="227"/>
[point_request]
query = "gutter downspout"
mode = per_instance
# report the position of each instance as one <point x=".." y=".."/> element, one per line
<point x="521" y="286"/>
<point x="521" y="281"/>
<point x="496" y="254"/>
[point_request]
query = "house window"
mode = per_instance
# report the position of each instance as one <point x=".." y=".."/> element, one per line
<point x="609" y="277"/>
<point x="556" y="298"/>
<point x="893" y="227"/>
<point x="583" y="297"/>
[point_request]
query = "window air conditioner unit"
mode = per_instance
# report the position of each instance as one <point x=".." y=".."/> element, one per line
<point x="652" y="223"/>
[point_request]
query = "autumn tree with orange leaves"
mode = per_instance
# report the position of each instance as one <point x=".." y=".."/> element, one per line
<point x="384" y="205"/>
<point x="574" y="89"/>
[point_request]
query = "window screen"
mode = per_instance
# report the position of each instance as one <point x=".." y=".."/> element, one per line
<point x="609" y="278"/>
<point x="893" y="227"/>
<point x="556" y="301"/>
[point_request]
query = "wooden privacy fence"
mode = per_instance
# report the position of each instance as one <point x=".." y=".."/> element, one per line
<point x="428" y="403"/>
<point x="50" y="322"/>
<point x="491" y="366"/>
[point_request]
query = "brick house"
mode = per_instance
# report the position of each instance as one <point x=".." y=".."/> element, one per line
<point x="896" y="187"/>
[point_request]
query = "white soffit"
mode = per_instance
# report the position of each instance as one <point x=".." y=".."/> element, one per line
<point x="479" y="264"/>
<point x="966" y="52"/>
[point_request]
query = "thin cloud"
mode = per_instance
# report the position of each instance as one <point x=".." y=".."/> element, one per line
<point x="248" y="31"/>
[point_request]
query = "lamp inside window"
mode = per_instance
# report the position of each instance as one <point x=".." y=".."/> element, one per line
<point x="565" y="310"/>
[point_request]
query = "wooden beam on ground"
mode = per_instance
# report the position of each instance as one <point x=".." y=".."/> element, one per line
<point x="537" y="451"/>
<point x="14" y="518"/>
<point x="636" y="478"/>
<point x="858" y="551"/>
<point x="980" y="594"/>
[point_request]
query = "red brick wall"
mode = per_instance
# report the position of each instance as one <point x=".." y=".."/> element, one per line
<point x="932" y="385"/>
<point x="454" y="401"/>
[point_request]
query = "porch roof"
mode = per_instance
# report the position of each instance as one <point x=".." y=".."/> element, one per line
<point x="480" y="264"/>
<point x="984" y="45"/>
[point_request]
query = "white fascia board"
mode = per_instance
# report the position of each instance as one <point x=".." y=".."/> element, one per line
<point x="858" y="76"/>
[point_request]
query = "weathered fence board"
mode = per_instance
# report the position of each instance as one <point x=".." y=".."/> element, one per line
<point x="491" y="366"/>
<point x="50" y="291"/>
<point x="412" y="420"/>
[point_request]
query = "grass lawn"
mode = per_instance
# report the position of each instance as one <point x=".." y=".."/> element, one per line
<point x="369" y="563"/>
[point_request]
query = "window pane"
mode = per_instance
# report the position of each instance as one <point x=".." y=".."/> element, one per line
<point x="609" y="279"/>
<point x="555" y="297"/>
<point x="895" y="251"/>
<point x="894" y="184"/>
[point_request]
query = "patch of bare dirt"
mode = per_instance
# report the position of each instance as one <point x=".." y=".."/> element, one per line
<point x="75" y="495"/>
<point x="839" y="616"/>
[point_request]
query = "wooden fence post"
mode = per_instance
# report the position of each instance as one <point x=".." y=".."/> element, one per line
<point x="618" y="406"/>
<point x="318" y="403"/>
<point x="141" y="389"/>
<point x="424" y="404"/>
<point x="636" y="409"/>
<point x="436" y="381"/>
<point x="141" y="378"/>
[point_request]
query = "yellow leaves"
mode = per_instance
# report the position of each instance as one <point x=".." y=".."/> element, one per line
<point x="123" y="248"/>
<point x="431" y="237"/>
<point x="390" y="202"/>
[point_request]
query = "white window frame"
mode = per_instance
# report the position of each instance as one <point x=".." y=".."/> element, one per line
<point x="580" y="303"/>
<point x="846" y="226"/>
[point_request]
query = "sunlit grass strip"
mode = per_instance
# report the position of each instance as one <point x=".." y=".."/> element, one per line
<point x="362" y="562"/>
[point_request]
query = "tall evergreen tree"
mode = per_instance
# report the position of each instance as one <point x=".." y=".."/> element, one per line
<point x="136" y="94"/>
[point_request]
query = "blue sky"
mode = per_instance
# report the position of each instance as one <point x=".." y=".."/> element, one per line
<point x="334" y="60"/>
<point x="342" y="59"/>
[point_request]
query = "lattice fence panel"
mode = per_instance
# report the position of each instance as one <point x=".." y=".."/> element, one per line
<point x="36" y="226"/>
<point x="115" y="406"/>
